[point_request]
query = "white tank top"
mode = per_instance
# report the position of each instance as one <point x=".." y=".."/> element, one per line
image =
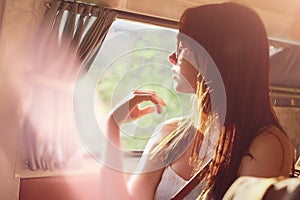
<point x="171" y="183"/>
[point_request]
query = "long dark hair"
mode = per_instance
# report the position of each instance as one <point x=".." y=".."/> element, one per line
<point x="235" y="38"/>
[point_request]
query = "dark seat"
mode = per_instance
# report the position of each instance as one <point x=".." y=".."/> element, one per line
<point x="253" y="188"/>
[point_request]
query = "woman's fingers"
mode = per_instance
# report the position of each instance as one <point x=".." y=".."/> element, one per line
<point x="147" y="110"/>
<point x="128" y="110"/>
<point x="153" y="94"/>
<point x="153" y="97"/>
<point x="140" y="98"/>
<point x="137" y="112"/>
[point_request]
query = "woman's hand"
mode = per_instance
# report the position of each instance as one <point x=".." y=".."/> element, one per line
<point x="128" y="109"/>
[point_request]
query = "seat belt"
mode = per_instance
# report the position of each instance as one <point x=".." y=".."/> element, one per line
<point x="188" y="187"/>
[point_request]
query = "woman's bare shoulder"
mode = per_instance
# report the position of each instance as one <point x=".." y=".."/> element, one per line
<point x="272" y="135"/>
<point x="271" y="154"/>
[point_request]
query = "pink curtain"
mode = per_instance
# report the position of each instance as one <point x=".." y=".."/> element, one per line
<point x="85" y="26"/>
<point x="69" y="37"/>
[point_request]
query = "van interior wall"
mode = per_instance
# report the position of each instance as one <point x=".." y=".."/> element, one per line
<point x="22" y="17"/>
<point x="19" y="21"/>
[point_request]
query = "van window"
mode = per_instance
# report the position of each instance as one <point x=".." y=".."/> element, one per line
<point x="134" y="56"/>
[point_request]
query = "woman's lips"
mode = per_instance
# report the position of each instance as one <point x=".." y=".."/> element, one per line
<point x="175" y="69"/>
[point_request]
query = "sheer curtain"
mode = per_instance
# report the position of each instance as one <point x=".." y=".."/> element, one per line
<point x="68" y="38"/>
<point x="85" y="26"/>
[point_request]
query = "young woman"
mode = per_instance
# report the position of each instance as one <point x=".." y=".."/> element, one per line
<point x="246" y="140"/>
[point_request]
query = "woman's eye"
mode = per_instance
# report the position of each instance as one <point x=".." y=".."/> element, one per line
<point x="179" y="49"/>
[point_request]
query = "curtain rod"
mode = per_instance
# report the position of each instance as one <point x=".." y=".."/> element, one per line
<point x="120" y="14"/>
<point x="92" y="8"/>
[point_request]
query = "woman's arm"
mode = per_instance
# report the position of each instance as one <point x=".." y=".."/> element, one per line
<point x="142" y="185"/>
<point x="151" y="169"/>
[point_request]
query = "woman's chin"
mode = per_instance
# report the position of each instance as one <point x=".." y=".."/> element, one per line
<point x="182" y="85"/>
<point x="175" y="77"/>
<point x="183" y="89"/>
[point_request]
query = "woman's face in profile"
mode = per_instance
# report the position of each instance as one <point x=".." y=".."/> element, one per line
<point x="185" y="74"/>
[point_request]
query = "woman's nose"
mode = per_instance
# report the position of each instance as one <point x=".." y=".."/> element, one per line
<point x="173" y="58"/>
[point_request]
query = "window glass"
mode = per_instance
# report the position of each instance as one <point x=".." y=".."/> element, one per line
<point x="134" y="56"/>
